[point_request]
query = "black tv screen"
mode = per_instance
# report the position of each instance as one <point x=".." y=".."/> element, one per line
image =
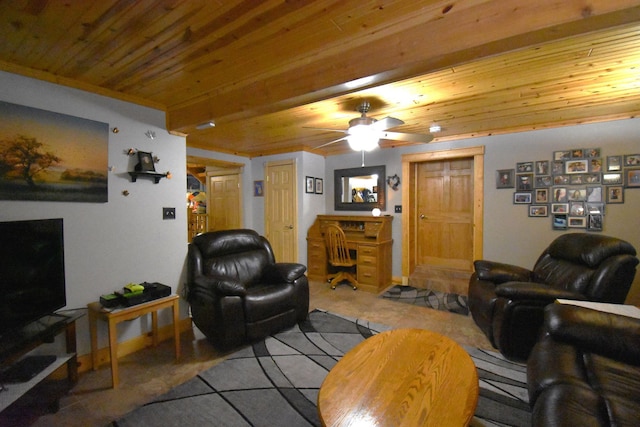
<point x="32" y="279"/>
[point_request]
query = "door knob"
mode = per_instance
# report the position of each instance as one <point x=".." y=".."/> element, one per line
<point x="423" y="216"/>
<point x="290" y="227"/>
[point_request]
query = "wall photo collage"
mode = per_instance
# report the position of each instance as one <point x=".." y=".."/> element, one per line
<point x="574" y="187"/>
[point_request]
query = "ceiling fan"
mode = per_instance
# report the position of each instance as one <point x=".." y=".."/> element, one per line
<point x="364" y="132"/>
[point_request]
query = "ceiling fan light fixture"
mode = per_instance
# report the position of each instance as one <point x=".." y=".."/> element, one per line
<point x="363" y="138"/>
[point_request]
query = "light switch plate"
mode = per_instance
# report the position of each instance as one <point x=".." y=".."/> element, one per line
<point x="168" y="213"/>
<point x="398" y="209"/>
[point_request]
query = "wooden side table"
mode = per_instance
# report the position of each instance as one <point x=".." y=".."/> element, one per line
<point x="115" y="316"/>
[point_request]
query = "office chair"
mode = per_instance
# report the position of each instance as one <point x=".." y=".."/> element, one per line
<point x="339" y="258"/>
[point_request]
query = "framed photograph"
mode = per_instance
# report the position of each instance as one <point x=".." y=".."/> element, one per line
<point x="559" y="222"/>
<point x="594" y="222"/>
<point x="576" y="209"/>
<point x="543" y="181"/>
<point x="577" y="222"/>
<point x="524" y="182"/>
<point x="541" y="195"/>
<point x="561" y="155"/>
<point x="561" y="180"/>
<point x="615" y="194"/>
<point x="145" y="162"/>
<point x="319" y="186"/>
<point x="542" y="167"/>
<point x="557" y="167"/>
<point x="592" y="152"/>
<point x="593" y="178"/>
<point x="594" y="193"/>
<point x="577" y="194"/>
<point x="310" y="186"/>
<point x="538" y="210"/>
<point x="612" y="178"/>
<point x="577" y="179"/>
<point x="560" y="195"/>
<point x="521" y="198"/>
<point x="632" y="178"/>
<point x="631" y="160"/>
<point x="258" y="188"/>
<point x="560" y="208"/>
<point x="577" y="153"/>
<point x="524" y="167"/>
<point x="576" y="166"/>
<point x="614" y="163"/>
<point x="505" y="178"/>
<point x="595" y="165"/>
<point x="595" y="208"/>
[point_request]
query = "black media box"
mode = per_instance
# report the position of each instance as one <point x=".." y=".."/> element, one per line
<point x="151" y="291"/>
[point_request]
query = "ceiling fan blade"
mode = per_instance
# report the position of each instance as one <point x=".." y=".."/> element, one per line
<point x="325" y="129"/>
<point x="386" y="123"/>
<point x="331" y="142"/>
<point x="409" y="137"/>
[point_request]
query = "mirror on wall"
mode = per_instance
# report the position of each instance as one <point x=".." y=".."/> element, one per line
<point x="359" y="189"/>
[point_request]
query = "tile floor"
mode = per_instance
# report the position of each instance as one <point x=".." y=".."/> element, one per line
<point x="152" y="371"/>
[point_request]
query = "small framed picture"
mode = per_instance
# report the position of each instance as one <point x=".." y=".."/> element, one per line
<point x="541" y="195"/>
<point x="145" y="162"/>
<point x="631" y="160"/>
<point x="319" y="186"/>
<point x="521" y="198"/>
<point x="576" y="166"/>
<point x="505" y="178"/>
<point x="524" y="167"/>
<point x="576" y="209"/>
<point x="538" y="210"/>
<point x="543" y="181"/>
<point x="595" y="165"/>
<point x="561" y="155"/>
<point x="595" y="208"/>
<point x="542" y="167"/>
<point x="524" y="182"/>
<point x="577" y="222"/>
<point x="614" y="163"/>
<point x="577" y="194"/>
<point x="561" y="179"/>
<point x="594" y="222"/>
<point x="559" y="222"/>
<point x="615" y="194"/>
<point x="592" y="152"/>
<point x="310" y="186"/>
<point x="258" y="188"/>
<point x="577" y="153"/>
<point x="594" y="193"/>
<point x="612" y="178"/>
<point x="632" y="178"/>
<point x="559" y="208"/>
<point x="560" y="195"/>
<point x="557" y="167"/>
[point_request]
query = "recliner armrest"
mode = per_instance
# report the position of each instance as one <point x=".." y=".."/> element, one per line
<point x="498" y="272"/>
<point x="283" y="272"/>
<point x="207" y="286"/>
<point x="534" y="291"/>
<point x="611" y="335"/>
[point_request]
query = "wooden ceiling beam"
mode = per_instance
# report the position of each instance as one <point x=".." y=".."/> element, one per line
<point x="458" y="35"/>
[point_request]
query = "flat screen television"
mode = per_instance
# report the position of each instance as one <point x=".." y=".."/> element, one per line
<point x="32" y="279"/>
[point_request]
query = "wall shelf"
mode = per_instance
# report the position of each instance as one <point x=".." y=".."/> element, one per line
<point x="156" y="176"/>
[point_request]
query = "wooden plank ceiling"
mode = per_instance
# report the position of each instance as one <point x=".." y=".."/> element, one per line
<point x="267" y="71"/>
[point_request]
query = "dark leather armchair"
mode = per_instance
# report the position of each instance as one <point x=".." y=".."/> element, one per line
<point x="585" y="369"/>
<point x="507" y="301"/>
<point x="236" y="290"/>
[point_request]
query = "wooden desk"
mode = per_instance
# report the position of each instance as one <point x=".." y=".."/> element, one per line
<point x="402" y="377"/>
<point x="368" y="236"/>
<point x="117" y="315"/>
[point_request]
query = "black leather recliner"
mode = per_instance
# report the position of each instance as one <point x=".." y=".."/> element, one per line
<point x="507" y="301"/>
<point x="236" y="290"/>
<point x="585" y="370"/>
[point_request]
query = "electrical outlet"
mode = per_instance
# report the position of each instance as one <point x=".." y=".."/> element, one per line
<point x="398" y="209"/>
<point x="168" y="213"/>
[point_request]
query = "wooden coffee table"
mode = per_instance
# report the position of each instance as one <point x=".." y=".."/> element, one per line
<point x="402" y="377"/>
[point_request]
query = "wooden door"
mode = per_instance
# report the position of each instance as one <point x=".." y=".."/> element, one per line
<point x="444" y="232"/>
<point x="223" y="204"/>
<point x="280" y="212"/>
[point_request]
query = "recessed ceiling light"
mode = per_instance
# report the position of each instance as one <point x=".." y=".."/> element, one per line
<point x="435" y="128"/>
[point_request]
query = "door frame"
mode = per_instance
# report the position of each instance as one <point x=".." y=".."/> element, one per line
<point x="409" y="214"/>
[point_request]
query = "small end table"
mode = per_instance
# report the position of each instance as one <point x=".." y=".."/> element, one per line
<point x="117" y="315"/>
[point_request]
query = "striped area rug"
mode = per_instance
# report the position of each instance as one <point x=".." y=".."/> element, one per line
<point x="275" y="382"/>
<point x="436" y="300"/>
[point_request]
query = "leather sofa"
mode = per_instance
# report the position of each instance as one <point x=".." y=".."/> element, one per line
<point x="507" y="301"/>
<point x="585" y="369"/>
<point x="237" y="291"/>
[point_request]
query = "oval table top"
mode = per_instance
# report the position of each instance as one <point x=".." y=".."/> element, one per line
<point x="402" y="377"/>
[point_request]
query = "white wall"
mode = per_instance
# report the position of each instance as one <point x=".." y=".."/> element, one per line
<point x="108" y="245"/>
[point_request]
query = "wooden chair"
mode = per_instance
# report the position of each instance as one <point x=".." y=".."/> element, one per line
<point x="339" y="258"/>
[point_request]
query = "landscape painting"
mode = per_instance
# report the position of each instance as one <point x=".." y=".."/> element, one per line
<point x="51" y="156"/>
